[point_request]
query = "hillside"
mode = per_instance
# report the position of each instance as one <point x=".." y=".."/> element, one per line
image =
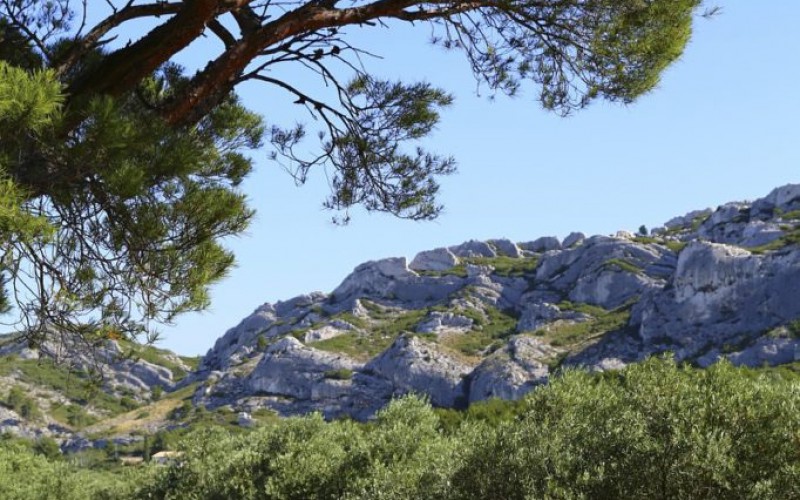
<point x="496" y="318"/>
<point x="479" y="320"/>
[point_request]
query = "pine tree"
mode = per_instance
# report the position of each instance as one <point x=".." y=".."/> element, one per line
<point x="117" y="225"/>
<point x="119" y="171"/>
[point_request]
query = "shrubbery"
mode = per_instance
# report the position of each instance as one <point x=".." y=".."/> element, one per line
<point x="654" y="430"/>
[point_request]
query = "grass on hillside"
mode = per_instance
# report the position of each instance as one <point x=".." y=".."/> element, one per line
<point x="622" y="265"/>
<point x="675" y="246"/>
<point x="790" y="238"/>
<point x="161" y="357"/>
<point x="375" y="339"/>
<point x="144" y="417"/>
<point x="491" y="328"/>
<point x="79" y="388"/>
<point x="567" y="334"/>
<point x="510" y="267"/>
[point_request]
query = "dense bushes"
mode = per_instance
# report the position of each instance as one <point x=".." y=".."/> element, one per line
<point x="654" y="430"/>
<point x="18" y="401"/>
<point x="651" y="431"/>
<point x="27" y="475"/>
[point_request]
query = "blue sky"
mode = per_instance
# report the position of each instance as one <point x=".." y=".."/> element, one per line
<point x="722" y="126"/>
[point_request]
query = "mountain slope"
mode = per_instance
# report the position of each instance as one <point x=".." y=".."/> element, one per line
<point x="495" y="318"/>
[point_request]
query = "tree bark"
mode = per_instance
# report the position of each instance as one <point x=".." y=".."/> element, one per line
<point x="212" y="84"/>
<point x="121" y="70"/>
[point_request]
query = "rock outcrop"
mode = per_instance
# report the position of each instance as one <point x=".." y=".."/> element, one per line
<point x="512" y="371"/>
<point x="495" y="318"/>
<point x="440" y="259"/>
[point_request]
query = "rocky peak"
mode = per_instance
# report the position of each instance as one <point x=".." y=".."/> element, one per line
<point x="495" y="318"/>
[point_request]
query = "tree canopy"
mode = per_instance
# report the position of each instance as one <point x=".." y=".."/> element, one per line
<point x="120" y="169"/>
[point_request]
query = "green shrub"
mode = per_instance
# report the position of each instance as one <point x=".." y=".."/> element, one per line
<point x="790" y="238"/>
<point x="79" y="387"/>
<point x="646" y="240"/>
<point x="793" y="327"/>
<point x="47" y="447"/>
<point x="600" y="323"/>
<point x="340" y="374"/>
<point x="622" y="265"/>
<point x="21" y="403"/>
<point x="74" y="415"/>
<point x="654" y="430"/>
<point x="793" y="215"/>
<point x="675" y="246"/>
<point x="490" y="327"/>
<point x="26" y="474"/>
<point x="508" y="266"/>
<point x="377" y="337"/>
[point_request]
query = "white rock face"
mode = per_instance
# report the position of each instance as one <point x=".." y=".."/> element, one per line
<point x="507" y="247"/>
<point x="439" y="259"/>
<point x="721" y="295"/>
<point x="290" y="369"/>
<point x="242" y="335"/>
<point x="440" y="322"/>
<point x="536" y="315"/>
<point x="610" y="288"/>
<point x="786" y="198"/>
<point x="768" y="351"/>
<point x="512" y="371"/>
<point x="573" y="239"/>
<point x="329" y="331"/>
<point x="699" y="301"/>
<point x="145" y="375"/>
<point x="543" y="244"/>
<point x="758" y="233"/>
<point x="473" y="248"/>
<point x="591" y="272"/>
<point x="722" y="265"/>
<point x="624" y="235"/>
<point x="687" y="220"/>
<point x="375" y="278"/>
<point x="726" y="214"/>
<point x="414" y="365"/>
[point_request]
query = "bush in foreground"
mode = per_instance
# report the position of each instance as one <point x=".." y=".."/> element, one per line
<point x="653" y="430"/>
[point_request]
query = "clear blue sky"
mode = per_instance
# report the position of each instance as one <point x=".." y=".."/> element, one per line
<point x="722" y="126"/>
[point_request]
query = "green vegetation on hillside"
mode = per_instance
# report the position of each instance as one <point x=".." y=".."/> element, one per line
<point x="24" y="405"/>
<point x="568" y="334"/>
<point x="510" y="267"/>
<point x="161" y="357"/>
<point x="622" y="265"/>
<point x="652" y="430"/>
<point x="792" y="237"/>
<point x="490" y="327"/>
<point x="376" y="337"/>
<point x="79" y="388"/>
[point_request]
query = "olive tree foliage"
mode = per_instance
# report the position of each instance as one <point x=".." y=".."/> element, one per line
<point x="402" y="455"/>
<point x="655" y="430"/>
<point x="128" y="165"/>
<point x="26" y="475"/>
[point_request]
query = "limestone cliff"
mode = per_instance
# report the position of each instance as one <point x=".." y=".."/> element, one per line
<point x="496" y="318"/>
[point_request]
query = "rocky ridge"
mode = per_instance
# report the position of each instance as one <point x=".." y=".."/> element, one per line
<point x="56" y="390"/>
<point x="461" y="324"/>
<point x="496" y="318"/>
